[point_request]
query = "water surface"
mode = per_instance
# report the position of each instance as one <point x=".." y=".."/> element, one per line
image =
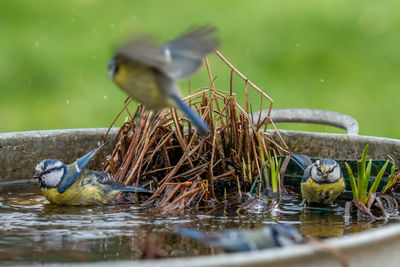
<point x="34" y="231"/>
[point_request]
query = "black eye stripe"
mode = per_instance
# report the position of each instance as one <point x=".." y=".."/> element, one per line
<point x="330" y="170"/>
<point x="50" y="170"/>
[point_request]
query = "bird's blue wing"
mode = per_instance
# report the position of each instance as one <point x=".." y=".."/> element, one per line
<point x="75" y="169"/>
<point x="132" y="189"/>
<point x="186" y="53"/>
<point x="194" y="118"/>
<point x="144" y="49"/>
<point x="306" y="175"/>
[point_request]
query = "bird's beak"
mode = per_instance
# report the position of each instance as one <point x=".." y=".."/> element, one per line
<point x="36" y="175"/>
<point x="325" y="170"/>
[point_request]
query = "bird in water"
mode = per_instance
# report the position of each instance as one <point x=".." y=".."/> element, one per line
<point x="74" y="185"/>
<point x="235" y="240"/>
<point x="322" y="181"/>
<point x="149" y="72"/>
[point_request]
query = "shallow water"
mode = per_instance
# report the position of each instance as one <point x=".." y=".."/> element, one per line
<point x="34" y="231"/>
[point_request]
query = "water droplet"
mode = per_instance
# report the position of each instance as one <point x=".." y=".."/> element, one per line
<point x="322" y="80"/>
<point x="67" y="101"/>
<point x="105" y="97"/>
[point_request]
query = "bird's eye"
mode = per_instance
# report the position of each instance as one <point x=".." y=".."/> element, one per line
<point x="45" y="172"/>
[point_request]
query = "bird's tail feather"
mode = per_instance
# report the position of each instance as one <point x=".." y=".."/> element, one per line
<point x="302" y="160"/>
<point x="194" y="118"/>
<point x="133" y="189"/>
<point x="84" y="160"/>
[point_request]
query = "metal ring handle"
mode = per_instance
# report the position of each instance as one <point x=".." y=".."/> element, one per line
<point x="315" y="116"/>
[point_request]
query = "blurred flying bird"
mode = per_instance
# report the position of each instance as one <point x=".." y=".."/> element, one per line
<point x="148" y="73"/>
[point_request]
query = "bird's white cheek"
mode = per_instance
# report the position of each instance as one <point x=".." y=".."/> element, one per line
<point x="313" y="173"/>
<point x="335" y="175"/>
<point x="52" y="179"/>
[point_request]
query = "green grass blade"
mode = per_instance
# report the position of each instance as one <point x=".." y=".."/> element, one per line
<point x="392" y="170"/>
<point x="364" y="155"/>
<point x="278" y="168"/>
<point x="378" y="179"/>
<point x="352" y="182"/>
<point x="367" y="175"/>
<point x="279" y="164"/>
<point x="362" y="196"/>
<point x="264" y="169"/>
<point x="267" y="178"/>
<point x="362" y="179"/>
<point x="274" y="182"/>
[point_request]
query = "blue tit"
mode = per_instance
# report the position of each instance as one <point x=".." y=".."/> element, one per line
<point x="148" y="73"/>
<point x="322" y="180"/>
<point x="74" y="185"/>
<point x="245" y="240"/>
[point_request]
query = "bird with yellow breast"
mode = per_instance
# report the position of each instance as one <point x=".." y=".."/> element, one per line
<point x="148" y="73"/>
<point x="322" y="181"/>
<point x="74" y="185"/>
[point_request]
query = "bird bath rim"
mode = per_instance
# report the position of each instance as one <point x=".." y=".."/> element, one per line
<point x="21" y="151"/>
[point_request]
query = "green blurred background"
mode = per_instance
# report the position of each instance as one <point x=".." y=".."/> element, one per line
<point x="335" y="55"/>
